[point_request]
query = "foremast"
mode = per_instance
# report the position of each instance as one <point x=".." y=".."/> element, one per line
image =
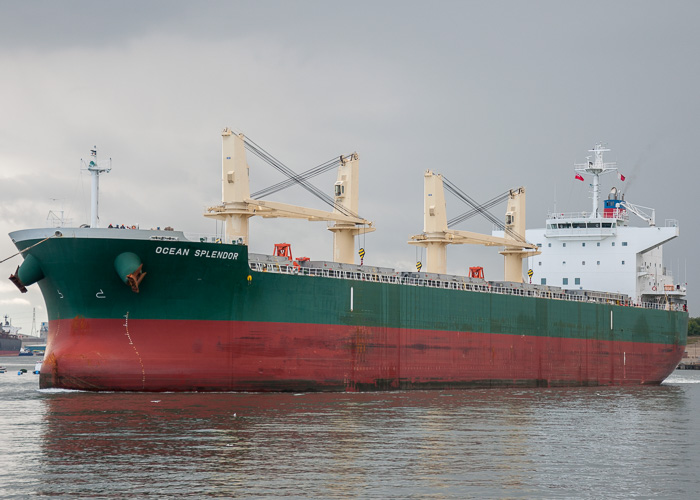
<point x="96" y="168"/>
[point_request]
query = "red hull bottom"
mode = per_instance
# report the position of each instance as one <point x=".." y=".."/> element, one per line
<point x="160" y="355"/>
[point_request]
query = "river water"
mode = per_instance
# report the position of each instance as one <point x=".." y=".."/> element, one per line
<point x="496" y="443"/>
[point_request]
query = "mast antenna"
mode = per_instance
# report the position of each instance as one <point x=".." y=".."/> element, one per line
<point x="596" y="168"/>
<point x="95" y="167"/>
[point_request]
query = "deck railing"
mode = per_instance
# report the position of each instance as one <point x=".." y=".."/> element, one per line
<point x="485" y="287"/>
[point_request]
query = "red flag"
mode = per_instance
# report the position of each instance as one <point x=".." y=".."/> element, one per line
<point x="622" y="177"/>
<point x="579" y="177"/>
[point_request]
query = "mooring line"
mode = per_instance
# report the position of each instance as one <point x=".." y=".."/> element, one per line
<point x="28" y="248"/>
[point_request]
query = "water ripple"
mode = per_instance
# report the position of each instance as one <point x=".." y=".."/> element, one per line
<point x="497" y="443"/>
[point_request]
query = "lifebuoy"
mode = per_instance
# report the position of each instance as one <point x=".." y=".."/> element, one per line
<point x="653" y="288"/>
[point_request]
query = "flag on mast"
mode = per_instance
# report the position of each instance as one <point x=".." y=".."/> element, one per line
<point x="622" y="177"/>
<point x="579" y="177"/>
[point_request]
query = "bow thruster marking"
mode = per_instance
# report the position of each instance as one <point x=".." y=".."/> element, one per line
<point x="100" y="294"/>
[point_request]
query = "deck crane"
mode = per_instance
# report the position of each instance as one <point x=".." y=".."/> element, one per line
<point x="639" y="211"/>
<point x="237" y="206"/>
<point x="436" y="235"/>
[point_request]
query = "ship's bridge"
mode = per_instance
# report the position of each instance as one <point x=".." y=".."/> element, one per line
<point x="581" y="226"/>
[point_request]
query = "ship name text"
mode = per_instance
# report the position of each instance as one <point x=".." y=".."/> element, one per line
<point x="215" y="254"/>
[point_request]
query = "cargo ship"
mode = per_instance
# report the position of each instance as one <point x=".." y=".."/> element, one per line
<point x="10" y="343"/>
<point x="156" y="310"/>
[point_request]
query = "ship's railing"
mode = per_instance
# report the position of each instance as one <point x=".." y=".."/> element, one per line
<point x="204" y="237"/>
<point x="486" y="287"/>
<point x="616" y="213"/>
<point x="568" y="215"/>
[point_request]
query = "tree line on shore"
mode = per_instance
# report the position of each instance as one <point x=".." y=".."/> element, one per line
<point x="693" y="326"/>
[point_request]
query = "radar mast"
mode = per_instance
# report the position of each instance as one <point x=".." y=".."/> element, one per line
<point x="596" y="168"/>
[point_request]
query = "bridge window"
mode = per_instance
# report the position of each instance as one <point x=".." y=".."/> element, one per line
<point x="543" y="281"/>
<point x="577" y="281"/>
<point x="624" y="243"/>
<point x="565" y="281"/>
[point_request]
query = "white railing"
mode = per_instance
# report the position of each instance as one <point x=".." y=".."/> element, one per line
<point x="616" y="214"/>
<point x="204" y="237"/>
<point x="486" y="287"/>
<point x="569" y="215"/>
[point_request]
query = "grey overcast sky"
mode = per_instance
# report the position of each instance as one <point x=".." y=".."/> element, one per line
<point x="493" y="95"/>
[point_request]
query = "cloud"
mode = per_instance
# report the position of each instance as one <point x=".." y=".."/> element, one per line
<point x="15" y="302"/>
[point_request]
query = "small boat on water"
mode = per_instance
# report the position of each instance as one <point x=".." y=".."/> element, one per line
<point x="9" y="341"/>
<point x="37" y="349"/>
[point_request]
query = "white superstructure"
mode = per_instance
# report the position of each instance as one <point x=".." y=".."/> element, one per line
<point x="600" y="251"/>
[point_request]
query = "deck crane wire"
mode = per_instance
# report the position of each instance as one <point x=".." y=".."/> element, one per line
<point x="452" y="188"/>
<point x="471" y="213"/>
<point x="293" y="176"/>
<point x="312" y="172"/>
